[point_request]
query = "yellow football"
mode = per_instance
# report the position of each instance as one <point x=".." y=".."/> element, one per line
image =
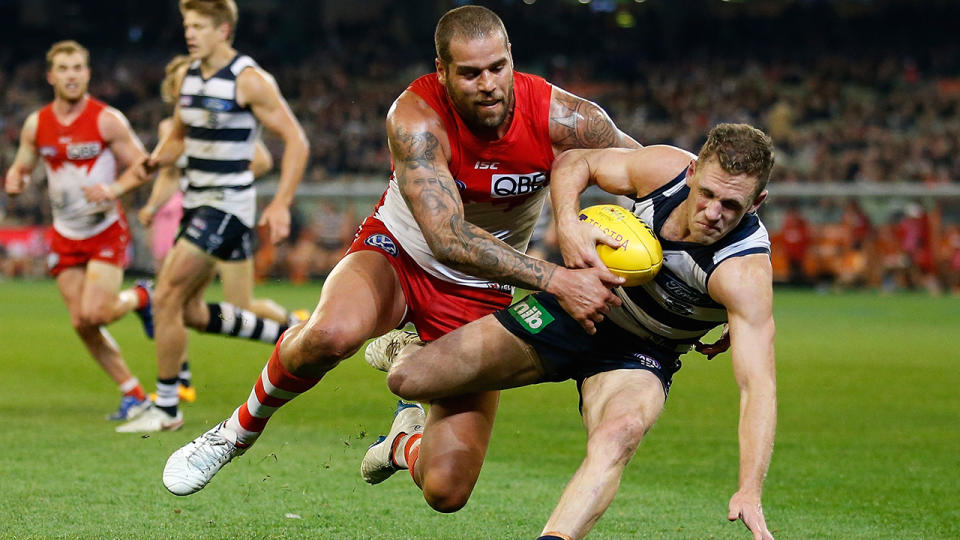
<point x="639" y="257"/>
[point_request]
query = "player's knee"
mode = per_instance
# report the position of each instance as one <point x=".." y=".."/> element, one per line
<point x="617" y="439"/>
<point x="401" y="383"/>
<point x="445" y="498"/>
<point x="166" y="299"/>
<point x="447" y="484"/>
<point x="94" y="316"/>
<point x="81" y="324"/>
<point x="326" y="343"/>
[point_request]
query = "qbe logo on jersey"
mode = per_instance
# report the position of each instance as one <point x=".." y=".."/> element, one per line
<point x="515" y="185"/>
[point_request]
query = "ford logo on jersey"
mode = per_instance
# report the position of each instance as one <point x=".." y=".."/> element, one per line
<point x="214" y="104"/>
<point x="383" y="242"/>
<point x="514" y="185"/>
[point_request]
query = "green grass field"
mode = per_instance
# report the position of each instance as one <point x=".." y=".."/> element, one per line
<point x="868" y="444"/>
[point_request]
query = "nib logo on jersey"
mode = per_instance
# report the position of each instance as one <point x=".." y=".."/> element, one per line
<point x="531" y="315"/>
<point x="515" y="185"/>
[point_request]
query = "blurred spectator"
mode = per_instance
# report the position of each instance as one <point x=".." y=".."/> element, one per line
<point x="322" y="242"/>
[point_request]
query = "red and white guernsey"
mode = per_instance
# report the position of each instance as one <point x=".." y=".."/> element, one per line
<point x="502" y="183"/>
<point x="76" y="155"/>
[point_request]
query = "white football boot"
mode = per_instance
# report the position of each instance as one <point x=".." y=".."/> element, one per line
<point x="151" y="420"/>
<point x="192" y="467"/>
<point x="382" y="351"/>
<point x="377" y="464"/>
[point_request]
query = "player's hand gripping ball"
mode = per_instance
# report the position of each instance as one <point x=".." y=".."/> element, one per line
<point x="639" y="257"/>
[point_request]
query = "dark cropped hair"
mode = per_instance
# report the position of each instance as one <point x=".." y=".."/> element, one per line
<point x="472" y="22"/>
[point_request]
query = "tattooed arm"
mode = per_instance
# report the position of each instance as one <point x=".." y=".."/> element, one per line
<point x="578" y="123"/>
<point x="420" y="150"/>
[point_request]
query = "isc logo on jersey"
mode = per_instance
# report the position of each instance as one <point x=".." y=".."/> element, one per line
<point x="80" y="151"/>
<point x="515" y="185"/>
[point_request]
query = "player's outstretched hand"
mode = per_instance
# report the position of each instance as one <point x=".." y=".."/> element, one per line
<point x="712" y="349"/>
<point x="578" y="244"/>
<point x="747" y="509"/>
<point x="276" y="218"/>
<point x="98" y="193"/>
<point x="585" y="294"/>
<point x="15" y="181"/>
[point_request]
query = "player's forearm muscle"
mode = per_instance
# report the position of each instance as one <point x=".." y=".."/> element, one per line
<point x="429" y="190"/>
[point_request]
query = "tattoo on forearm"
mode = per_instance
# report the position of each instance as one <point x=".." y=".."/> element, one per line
<point x="430" y="191"/>
<point x="485" y="256"/>
<point x="578" y="123"/>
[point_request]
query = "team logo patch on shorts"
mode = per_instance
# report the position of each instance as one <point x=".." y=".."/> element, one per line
<point x="531" y="315"/>
<point x="646" y="361"/>
<point x="383" y="242"/>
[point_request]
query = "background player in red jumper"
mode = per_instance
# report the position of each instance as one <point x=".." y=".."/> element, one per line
<point x="81" y="141"/>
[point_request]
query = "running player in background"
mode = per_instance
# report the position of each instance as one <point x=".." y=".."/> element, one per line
<point x="164" y="210"/>
<point x="472" y="145"/>
<point x="224" y="99"/>
<point x="81" y="141"/>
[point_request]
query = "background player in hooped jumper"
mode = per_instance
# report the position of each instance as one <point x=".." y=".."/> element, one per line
<point x="163" y="212"/>
<point x="81" y="141"/>
<point x="472" y="146"/>
<point x="716" y="267"/>
<point x="224" y="99"/>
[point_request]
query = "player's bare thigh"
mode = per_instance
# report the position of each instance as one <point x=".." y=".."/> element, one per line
<point x="630" y="393"/>
<point x="70" y="283"/>
<point x="237" y="278"/>
<point x="102" y="282"/>
<point x="186" y="271"/>
<point x="361" y="299"/>
<point x="480" y="356"/>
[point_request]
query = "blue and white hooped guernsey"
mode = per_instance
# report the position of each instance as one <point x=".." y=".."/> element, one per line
<point x="220" y="142"/>
<point x="675" y="310"/>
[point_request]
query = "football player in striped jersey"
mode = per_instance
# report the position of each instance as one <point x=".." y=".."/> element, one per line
<point x="716" y="269"/>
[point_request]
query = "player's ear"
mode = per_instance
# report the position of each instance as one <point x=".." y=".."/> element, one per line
<point x="758" y="201"/>
<point x="441" y="71"/>
<point x="691" y="169"/>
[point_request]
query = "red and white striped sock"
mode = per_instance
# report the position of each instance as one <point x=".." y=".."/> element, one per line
<point x="275" y="387"/>
<point x="131" y="387"/>
<point x="406" y="451"/>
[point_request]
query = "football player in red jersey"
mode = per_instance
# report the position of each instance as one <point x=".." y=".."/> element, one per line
<point x="472" y="145"/>
<point x="81" y="141"/>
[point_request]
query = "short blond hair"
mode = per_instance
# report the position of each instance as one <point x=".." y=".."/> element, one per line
<point x="221" y="11"/>
<point x="168" y="88"/>
<point x="67" y="46"/>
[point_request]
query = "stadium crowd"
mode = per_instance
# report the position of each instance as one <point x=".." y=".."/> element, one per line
<point x="857" y="113"/>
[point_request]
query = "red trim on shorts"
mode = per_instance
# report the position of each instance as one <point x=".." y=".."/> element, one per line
<point x="436" y="307"/>
<point x="109" y="246"/>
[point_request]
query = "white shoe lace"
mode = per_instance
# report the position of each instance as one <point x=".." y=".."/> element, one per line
<point x="212" y="451"/>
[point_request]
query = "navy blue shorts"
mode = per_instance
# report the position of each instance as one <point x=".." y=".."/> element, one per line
<point x="567" y="351"/>
<point x="218" y="233"/>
